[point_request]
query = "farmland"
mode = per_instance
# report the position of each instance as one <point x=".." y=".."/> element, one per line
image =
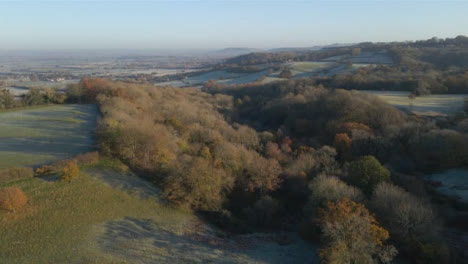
<point x="429" y="105"/>
<point x="40" y="135"/>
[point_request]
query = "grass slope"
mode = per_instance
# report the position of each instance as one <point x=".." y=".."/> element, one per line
<point x="109" y="215"/>
<point x="34" y="136"/>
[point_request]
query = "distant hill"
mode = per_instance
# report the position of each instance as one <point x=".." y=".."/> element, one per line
<point x="232" y="52"/>
<point x="306" y="49"/>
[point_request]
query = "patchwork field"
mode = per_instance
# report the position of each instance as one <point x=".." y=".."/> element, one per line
<point x="34" y="136"/>
<point x="431" y="105"/>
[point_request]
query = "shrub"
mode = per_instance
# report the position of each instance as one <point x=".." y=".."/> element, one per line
<point x="366" y="172"/>
<point x="70" y="171"/>
<point x="406" y="217"/>
<point x="12" y="198"/>
<point x="87" y="159"/>
<point x="352" y="235"/>
<point x="44" y="171"/>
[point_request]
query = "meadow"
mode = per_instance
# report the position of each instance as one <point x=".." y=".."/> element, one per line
<point x="34" y="136"/>
<point x="429" y="105"/>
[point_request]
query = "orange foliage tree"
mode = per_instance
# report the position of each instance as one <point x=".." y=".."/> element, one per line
<point x="348" y="127"/>
<point x="342" y="144"/>
<point x="12" y="198"/>
<point x="70" y="171"/>
<point x="352" y="235"/>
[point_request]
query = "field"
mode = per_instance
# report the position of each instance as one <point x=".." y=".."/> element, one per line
<point x="34" y="136"/>
<point x="431" y="105"/>
<point x="454" y="182"/>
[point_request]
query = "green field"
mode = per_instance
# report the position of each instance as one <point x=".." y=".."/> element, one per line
<point x="34" y="136"/>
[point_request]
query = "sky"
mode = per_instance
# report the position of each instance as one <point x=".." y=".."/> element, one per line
<point x="220" y="24"/>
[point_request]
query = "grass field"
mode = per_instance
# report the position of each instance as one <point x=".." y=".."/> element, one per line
<point x="40" y="135"/>
<point x="109" y="215"/>
<point x="431" y="105"/>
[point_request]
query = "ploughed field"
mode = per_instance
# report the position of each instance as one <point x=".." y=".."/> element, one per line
<point x="35" y="136"/>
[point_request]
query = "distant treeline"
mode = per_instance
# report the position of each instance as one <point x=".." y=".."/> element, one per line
<point x="34" y="96"/>
<point x="421" y="67"/>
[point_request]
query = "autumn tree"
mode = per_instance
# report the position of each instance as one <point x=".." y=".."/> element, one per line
<point x="6" y="99"/>
<point x="352" y="235"/>
<point x="69" y="171"/>
<point x="33" y="97"/>
<point x="342" y="144"/>
<point x="198" y="184"/>
<point x="366" y="172"/>
<point x="407" y="217"/>
<point x="348" y="128"/>
<point x="12" y="198"/>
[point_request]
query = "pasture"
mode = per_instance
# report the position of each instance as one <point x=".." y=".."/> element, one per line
<point x="430" y="105"/>
<point x="34" y="136"/>
<point x="109" y="215"/>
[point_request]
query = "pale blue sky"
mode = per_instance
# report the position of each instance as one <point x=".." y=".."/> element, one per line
<point x="220" y="24"/>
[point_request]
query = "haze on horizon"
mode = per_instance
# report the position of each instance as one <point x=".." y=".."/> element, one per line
<point x="48" y="25"/>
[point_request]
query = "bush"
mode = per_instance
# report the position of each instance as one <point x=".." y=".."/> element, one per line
<point x="366" y="172"/>
<point x="44" y="170"/>
<point x="12" y="198"/>
<point x="70" y="171"/>
<point x="15" y="174"/>
<point x="87" y="159"/>
<point x="352" y="235"/>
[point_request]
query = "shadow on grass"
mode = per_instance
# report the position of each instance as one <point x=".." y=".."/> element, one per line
<point x="142" y="241"/>
<point x="126" y="181"/>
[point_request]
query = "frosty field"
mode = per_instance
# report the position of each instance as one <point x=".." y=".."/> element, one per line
<point x="34" y="136"/>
